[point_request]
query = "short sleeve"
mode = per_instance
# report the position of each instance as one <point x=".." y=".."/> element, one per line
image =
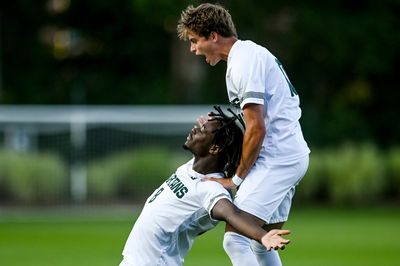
<point x="248" y="77"/>
<point x="254" y="81"/>
<point x="211" y="193"/>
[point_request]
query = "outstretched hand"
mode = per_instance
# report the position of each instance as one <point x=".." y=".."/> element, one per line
<point x="274" y="240"/>
<point x="225" y="182"/>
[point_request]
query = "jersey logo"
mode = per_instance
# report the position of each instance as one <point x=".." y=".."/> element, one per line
<point x="176" y="185"/>
<point x="236" y="103"/>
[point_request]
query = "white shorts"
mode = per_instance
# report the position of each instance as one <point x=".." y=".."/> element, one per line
<point x="268" y="189"/>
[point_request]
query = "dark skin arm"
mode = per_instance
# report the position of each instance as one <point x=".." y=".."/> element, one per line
<point x="224" y="210"/>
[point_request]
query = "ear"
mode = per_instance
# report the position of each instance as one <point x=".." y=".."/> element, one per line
<point x="214" y="149"/>
<point x="213" y="36"/>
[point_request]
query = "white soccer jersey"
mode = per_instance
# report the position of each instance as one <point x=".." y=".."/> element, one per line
<point x="254" y="75"/>
<point x="176" y="212"/>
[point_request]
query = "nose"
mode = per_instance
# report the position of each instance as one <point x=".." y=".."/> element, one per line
<point x="192" y="48"/>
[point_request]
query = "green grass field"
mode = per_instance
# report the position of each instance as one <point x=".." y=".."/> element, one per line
<point x="320" y="236"/>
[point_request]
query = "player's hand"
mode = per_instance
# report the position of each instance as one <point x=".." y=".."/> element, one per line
<point x="274" y="240"/>
<point x="202" y="120"/>
<point x="225" y="182"/>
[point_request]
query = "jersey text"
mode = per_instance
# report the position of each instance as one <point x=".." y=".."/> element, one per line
<point x="176" y="185"/>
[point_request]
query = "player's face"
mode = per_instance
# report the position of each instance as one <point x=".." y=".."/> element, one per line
<point x="199" y="140"/>
<point x="204" y="46"/>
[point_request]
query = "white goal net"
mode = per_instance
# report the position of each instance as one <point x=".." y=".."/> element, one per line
<point x="90" y="153"/>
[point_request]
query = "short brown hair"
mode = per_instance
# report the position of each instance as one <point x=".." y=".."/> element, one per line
<point x="204" y="19"/>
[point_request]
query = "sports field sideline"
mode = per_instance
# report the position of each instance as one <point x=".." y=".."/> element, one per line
<point x="92" y="236"/>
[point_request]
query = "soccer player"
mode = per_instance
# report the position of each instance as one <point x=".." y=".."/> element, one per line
<point x="184" y="206"/>
<point x="274" y="153"/>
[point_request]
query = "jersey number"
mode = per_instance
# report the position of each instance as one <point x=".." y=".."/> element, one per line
<point x="156" y="194"/>
<point x="293" y="91"/>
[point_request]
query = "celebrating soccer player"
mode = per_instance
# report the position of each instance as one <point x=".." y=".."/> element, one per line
<point x="274" y="154"/>
<point x="184" y="206"/>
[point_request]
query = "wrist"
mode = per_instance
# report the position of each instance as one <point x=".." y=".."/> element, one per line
<point x="237" y="180"/>
<point x="264" y="235"/>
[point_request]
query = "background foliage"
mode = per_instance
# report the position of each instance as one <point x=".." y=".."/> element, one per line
<point x="342" y="57"/>
<point x="348" y="174"/>
<point x="32" y="178"/>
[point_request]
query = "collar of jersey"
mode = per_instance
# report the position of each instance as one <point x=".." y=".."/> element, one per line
<point x="233" y="48"/>
<point x="198" y="175"/>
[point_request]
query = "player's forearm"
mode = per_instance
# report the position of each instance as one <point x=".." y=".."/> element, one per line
<point x="224" y="210"/>
<point x="252" y="142"/>
<point x="245" y="225"/>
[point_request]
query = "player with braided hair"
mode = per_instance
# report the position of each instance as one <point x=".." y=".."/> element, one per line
<point x="184" y="207"/>
<point x="229" y="138"/>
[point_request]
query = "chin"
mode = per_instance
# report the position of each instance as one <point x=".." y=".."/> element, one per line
<point x="214" y="63"/>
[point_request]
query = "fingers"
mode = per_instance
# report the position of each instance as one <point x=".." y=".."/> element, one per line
<point x="280" y="246"/>
<point x="274" y="241"/>
<point x="201" y="120"/>
<point x="279" y="232"/>
<point x="225" y="182"/>
<point x="283" y="232"/>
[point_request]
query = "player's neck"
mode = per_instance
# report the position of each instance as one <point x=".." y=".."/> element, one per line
<point x="206" y="165"/>
<point x="226" y="45"/>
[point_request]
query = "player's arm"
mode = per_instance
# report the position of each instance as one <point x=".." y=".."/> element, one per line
<point x="253" y="137"/>
<point x="224" y="210"/>
<point x="252" y="142"/>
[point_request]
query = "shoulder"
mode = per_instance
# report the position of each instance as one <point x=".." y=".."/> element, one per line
<point x="248" y="47"/>
<point x="212" y="188"/>
<point x="244" y="53"/>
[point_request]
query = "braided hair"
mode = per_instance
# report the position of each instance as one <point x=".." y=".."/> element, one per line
<point x="229" y="138"/>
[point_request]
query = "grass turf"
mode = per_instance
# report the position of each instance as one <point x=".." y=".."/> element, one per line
<point x="320" y="236"/>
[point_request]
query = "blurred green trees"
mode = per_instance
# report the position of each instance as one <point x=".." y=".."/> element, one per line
<point x="342" y="57"/>
<point x="346" y="175"/>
